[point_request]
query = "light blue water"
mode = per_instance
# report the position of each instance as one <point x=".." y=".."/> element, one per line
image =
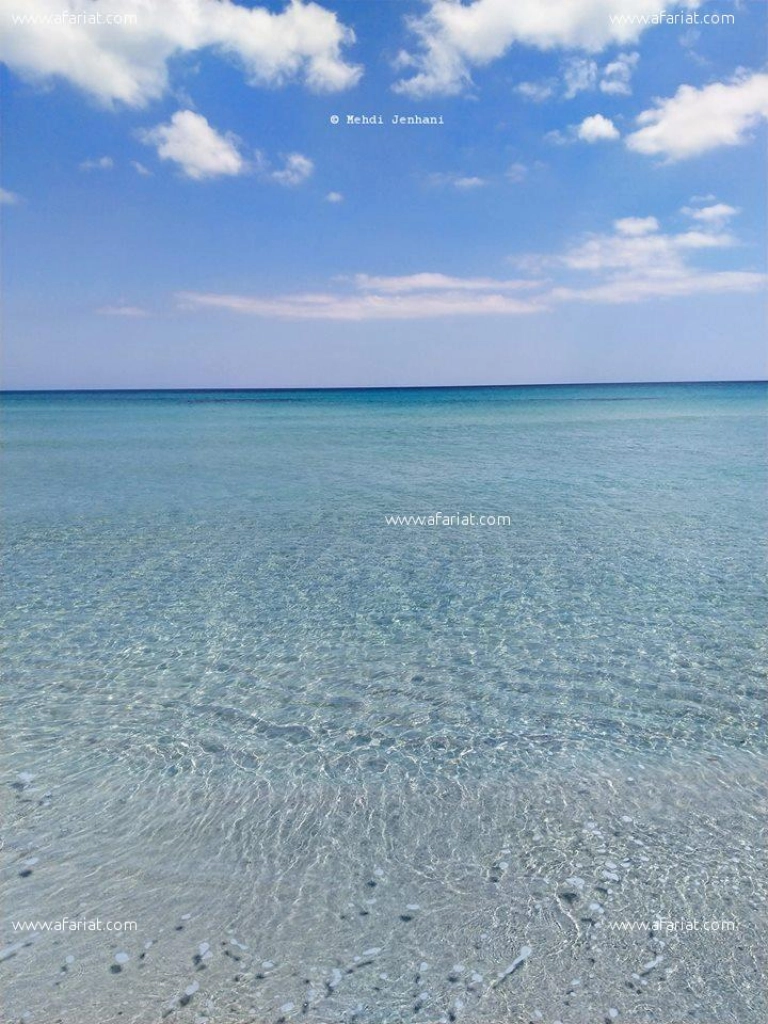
<point x="245" y="691"/>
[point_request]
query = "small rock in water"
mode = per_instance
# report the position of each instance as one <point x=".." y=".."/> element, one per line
<point x="647" y="968"/>
<point x="69" y="959"/>
<point x="413" y="906"/>
<point x="267" y="964"/>
<point x="286" y="1008"/>
<point x="191" y="989"/>
<point x="613" y="1013"/>
<point x="121" y="958"/>
<point x="522" y="956"/>
<point x="373" y="951"/>
<point x="203" y="948"/>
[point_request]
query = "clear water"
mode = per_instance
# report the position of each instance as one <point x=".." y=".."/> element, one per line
<point x="244" y="711"/>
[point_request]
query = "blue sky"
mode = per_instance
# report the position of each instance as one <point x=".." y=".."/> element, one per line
<point x="179" y="210"/>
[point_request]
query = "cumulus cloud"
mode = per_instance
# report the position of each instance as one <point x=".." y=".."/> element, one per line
<point x="637" y="245"/>
<point x="197" y="148"/>
<point x="103" y="163"/>
<point x="334" y="197"/>
<point x="127" y="61"/>
<point x="453" y="38"/>
<point x="694" y="121"/>
<point x="463" y="182"/>
<point x="716" y="215"/>
<point x="141" y="169"/>
<point x="597" y="129"/>
<point x="296" y="170"/>
<point x="636" y="226"/>
<point x="583" y="74"/>
<point x="579" y="75"/>
<point x="8" y="198"/>
<point x="638" y="261"/>
<point x="469" y="181"/>
<point x="516" y="173"/>
<point x="537" y="92"/>
<point x="617" y="75"/>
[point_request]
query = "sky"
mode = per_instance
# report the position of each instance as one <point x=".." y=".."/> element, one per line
<point x="184" y="203"/>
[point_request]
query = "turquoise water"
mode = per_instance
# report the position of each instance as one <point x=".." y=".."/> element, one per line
<point x="236" y="692"/>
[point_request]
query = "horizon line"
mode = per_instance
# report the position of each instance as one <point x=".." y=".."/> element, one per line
<point x="373" y="387"/>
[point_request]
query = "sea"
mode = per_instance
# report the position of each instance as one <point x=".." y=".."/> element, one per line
<point x="378" y="706"/>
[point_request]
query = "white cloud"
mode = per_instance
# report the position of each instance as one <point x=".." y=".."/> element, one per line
<point x="636" y="288"/>
<point x="128" y="61"/>
<point x="636" y="226"/>
<point x="334" y="197"/>
<point x="141" y="169"/>
<point x="439" y="282"/>
<point x="470" y="181"/>
<point x="597" y="129"/>
<point x="579" y="75"/>
<point x="635" y="261"/>
<point x="103" y="163"/>
<point x="516" y="173"/>
<point x="456" y="37"/>
<point x="641" y="249"/>
<point x="296" y="170"/>
<point x="364" y="307"/>
<point x="582" y="74"/>
<point x="617" y="75"/>
<point x="416" y="296"/>
<point x="694" y="121"/>
<point x="638" y="261"/>
<point x="558" y="138"/>
<point x="199" y="150"/>
<point x="122" y="310"/>
<point x="715" y="215"/>
<point x="537" y="92"/>
<point x="8" y="198"/>
<point x="463" y="182"/>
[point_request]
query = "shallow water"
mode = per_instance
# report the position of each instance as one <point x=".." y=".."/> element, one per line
<point x="246" y="712"/>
